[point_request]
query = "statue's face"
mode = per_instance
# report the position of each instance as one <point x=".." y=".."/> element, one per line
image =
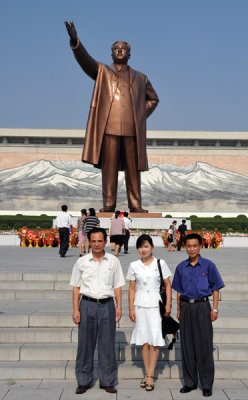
<point x="120" y="53"/>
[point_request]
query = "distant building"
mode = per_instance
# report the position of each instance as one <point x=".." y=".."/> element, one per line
<point x="192" y="171"/>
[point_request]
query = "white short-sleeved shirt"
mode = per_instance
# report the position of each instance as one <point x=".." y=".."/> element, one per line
<point x="63" y="220"/>
<point x="128" y="223"/>
<point x="97" y="279"/>
<point x="147" y="281"/>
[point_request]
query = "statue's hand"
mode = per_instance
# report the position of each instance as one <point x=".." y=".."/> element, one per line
<point x="71" y="31"/>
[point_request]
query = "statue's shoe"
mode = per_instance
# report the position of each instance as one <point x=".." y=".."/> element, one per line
<point x="107" y="209"/>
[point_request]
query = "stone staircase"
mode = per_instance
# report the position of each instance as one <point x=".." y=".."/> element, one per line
<point x="38" y="339"/>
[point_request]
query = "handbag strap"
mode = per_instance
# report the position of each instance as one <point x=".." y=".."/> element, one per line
<point x="160" y="273"/>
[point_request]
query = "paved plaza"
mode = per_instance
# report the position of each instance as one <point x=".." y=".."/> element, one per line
<point x="34" y="287"/>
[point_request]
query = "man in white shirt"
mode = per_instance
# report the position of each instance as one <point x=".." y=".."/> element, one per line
<point x="97" y="279"/>
<point x="63" y="224"/>
<point x="128" y="224"/>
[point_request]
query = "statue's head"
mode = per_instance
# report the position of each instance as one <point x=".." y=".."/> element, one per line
<point x="121" y="52"/>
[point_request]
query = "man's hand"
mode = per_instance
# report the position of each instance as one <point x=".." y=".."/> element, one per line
<point x="118" y="314"/>
<point x="76" y="317"/>
<point x="214" y="315"/>
<point x="71" y="31"/>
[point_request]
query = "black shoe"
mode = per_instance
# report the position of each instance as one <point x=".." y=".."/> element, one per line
<point x="207" y="392"/>
<point x="62" y="255"/>
<point x="80" y="255"/>
<point x="125" y="252"/>
<point x="82" y="389"/>
<point x="187" y="389"/>
<point x="109" y="389"/>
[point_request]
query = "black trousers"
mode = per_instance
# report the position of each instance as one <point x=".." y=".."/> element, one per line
<point x="196" y="334"/>
<point x="180" y="242"/>
<point x="126" y="239"/>
<point x="97" y="324"/>
<point x="64" y="234"/>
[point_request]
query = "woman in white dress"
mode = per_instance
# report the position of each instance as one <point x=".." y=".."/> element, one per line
<point x="143" y="301"/>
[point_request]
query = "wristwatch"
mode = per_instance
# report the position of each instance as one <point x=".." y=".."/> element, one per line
<point x="215" y="310"/>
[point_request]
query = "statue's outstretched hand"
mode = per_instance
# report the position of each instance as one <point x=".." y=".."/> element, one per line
<point x="71" y="31"/>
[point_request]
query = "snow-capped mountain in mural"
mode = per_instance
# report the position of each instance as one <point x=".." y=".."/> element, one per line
<point x="170" y="184"/>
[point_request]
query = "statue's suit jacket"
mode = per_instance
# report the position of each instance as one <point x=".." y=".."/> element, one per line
<point x="144" y="100"/>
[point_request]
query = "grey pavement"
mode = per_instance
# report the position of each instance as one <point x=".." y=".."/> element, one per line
<point x="231" y="263"/>
<point x="127" y="389"/>
<point x="17" y="259"/>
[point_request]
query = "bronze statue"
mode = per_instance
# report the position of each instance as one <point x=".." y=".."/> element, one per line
<point x="116" y="129"/>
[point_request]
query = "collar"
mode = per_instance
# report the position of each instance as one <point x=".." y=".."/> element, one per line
<point x="199" y="262"/>
<point x="131" y="71"/>
<point x="121" y="68"/>
<point x="91" y="258"/>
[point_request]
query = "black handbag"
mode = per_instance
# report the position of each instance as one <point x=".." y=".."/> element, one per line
<point x="169" y="325"/>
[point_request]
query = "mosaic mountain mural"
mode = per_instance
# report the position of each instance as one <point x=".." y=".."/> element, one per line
<point x="44" y="185"/>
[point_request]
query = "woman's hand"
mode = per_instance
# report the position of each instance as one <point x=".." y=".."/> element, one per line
<point x="168" y="310"/>
<point x="132" y="315"/>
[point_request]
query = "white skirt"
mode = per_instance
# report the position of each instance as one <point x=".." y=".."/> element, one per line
<point x="147" y="328"/>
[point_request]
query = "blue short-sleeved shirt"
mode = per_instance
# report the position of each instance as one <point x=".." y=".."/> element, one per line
<point x="198" y="281"/>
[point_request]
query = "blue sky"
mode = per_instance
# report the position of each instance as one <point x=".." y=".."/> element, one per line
<point x="193" y="51"/>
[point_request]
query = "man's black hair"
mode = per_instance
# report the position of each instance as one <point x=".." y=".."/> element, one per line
<point x="97" y="230"/>
<point x="193" y="236"/>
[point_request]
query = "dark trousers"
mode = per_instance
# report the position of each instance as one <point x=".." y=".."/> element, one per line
<point x="64" y="234"/>
<point x="126" y="239"/>
<point x="196" y="334"/>
<point x="114" y="149"/>
<point x="180" y="242"/>
<point x="97" y="324"/>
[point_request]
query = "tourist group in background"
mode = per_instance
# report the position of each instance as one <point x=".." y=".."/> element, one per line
<point x="97" y="280"/>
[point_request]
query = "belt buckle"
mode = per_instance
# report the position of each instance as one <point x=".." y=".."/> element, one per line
<point x="191" y="301"/>
<point x="98" y="301"/>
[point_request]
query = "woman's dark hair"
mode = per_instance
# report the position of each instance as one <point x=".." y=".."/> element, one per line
<point x="193" y="236"/>
<point x="92" y="212"/>
<point x="84" y="212"/>
<point x="117" y="213"/>
<point x="142" y="239"/>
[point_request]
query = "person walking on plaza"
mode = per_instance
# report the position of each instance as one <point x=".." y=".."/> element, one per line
<point x="97" y="280"/>
<point x="195" y="280"/>
<point x="182" y="230"/>
<point x="128" y="223"/>
<point x="63" y="224"/>
<point x="170" y="238"/>
<point x="81" y="232"/>
<point x="117" y="232"/>
<point x="90" y="222"/>
<point x="143" y="298"/>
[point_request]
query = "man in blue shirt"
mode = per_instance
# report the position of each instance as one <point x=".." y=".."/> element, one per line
<point x="195" y="280"/>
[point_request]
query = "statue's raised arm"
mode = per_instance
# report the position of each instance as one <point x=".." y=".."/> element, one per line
<point x="84" y="59"/>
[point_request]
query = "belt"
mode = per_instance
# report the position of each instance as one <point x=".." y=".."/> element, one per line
<point x="192" y="301"/>
<point x="99" y="301"/>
